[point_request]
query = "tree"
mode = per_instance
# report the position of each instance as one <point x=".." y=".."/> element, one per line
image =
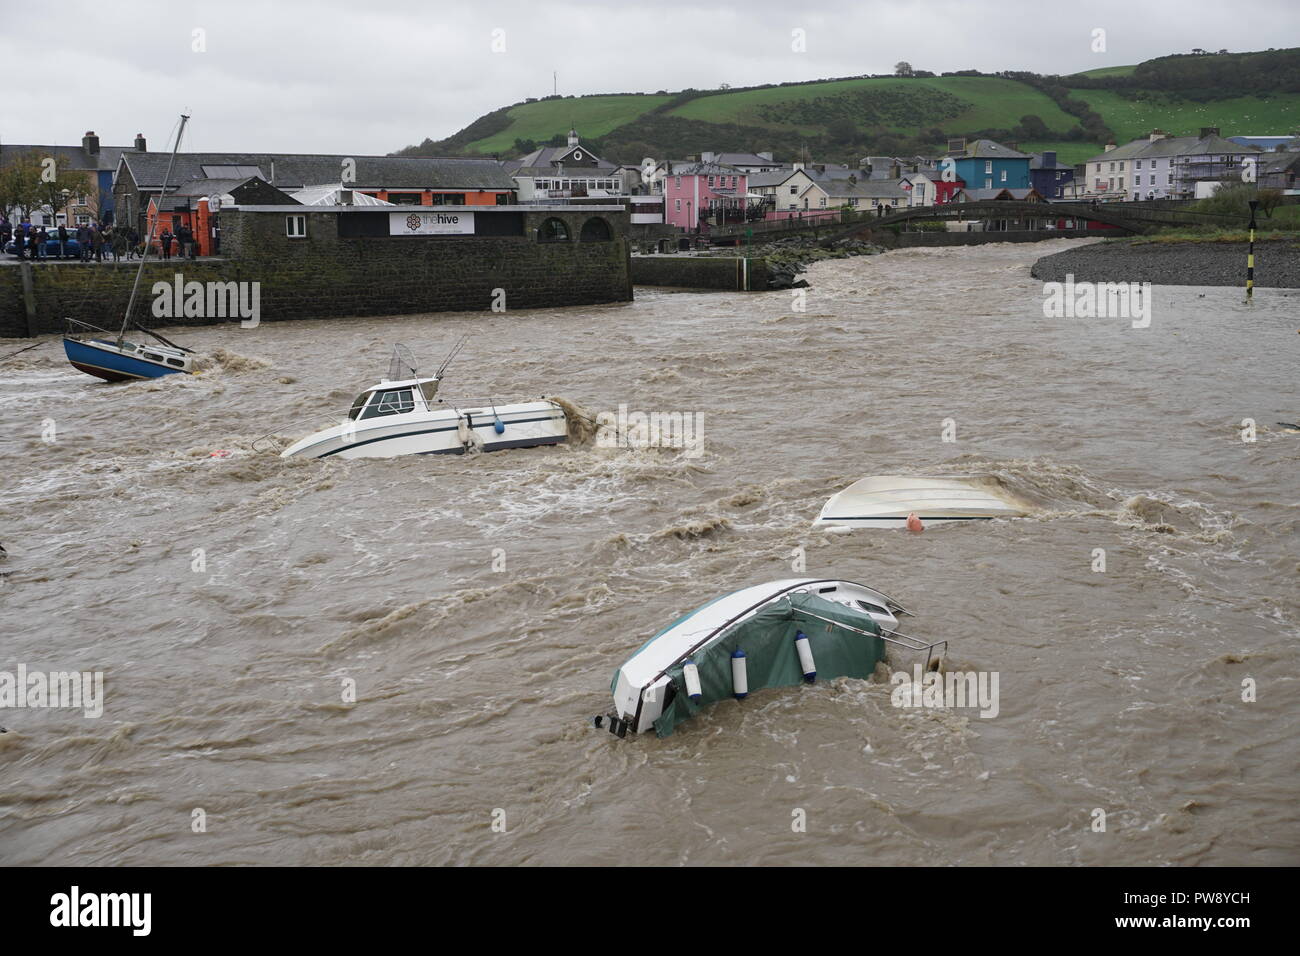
<point x="77" y="184"/>
<point x="842" y="131"/>
<point x="20" y="185"/>
<point x="1033" y="127"/>
<point x="903" y="68"/>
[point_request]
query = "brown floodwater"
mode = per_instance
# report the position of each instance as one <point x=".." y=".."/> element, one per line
<point x="482" y="604"/>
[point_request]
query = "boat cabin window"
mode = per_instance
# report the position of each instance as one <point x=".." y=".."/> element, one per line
<point x="869" y="607"/>
<point x="396" y="401"/>
<point x="359" y="404"/>
<point x="153" y="356"/>
<point x="179" y="363"/>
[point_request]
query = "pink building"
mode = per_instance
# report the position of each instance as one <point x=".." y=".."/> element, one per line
<point x="698" y="195"/>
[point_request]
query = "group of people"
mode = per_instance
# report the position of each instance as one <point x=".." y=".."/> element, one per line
<point x="94" y="241"/>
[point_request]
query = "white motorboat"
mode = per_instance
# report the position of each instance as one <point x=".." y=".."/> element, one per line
<point x="774" y="634"/>
<point x="886" y="501"/>
<point x="404" y="416"/>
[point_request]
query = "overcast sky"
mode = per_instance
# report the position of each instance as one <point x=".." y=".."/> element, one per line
<point x="342" y="76"/>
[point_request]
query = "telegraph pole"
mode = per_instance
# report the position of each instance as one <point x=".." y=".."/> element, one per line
<point x="1250" y="256"/>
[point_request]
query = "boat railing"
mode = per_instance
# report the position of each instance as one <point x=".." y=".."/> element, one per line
<point x="898" y="638"/>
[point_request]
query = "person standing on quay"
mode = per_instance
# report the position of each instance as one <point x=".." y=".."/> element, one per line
<point x="117" y="244"/>
<point x="99" y="244"/>
<point x="41" y="237"/>
<point x="83" y="243"/>
<point x="6" y="231"/>
<point x="63" y="241"/>
<point x="165" y="240"/>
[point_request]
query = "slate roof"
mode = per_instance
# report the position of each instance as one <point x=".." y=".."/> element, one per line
<point x="979" y="195"/>
<point x="297" y="170"/>
<point x="1036" y="163"/>
<point x="864" y="189"/>
<point x="72" y="157"/>
<point x="708" y="169"/>
<point x="988" y="149"/>
<point x="546" y="159"/>
<point x="1146" y="148"/>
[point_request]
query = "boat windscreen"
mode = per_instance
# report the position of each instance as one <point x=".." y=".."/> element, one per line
<point x="359" y="404"/>
<point x="429" y="389"/>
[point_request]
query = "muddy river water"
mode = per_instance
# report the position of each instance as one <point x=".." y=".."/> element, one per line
<point x="480" y="605"/>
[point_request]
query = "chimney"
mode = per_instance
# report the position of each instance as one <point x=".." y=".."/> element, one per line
<point x="1209" y="131"/>
<point x="1157" y="134"/>
<point x="1049" y="159"/>
<point x="1110" y="146"/>
<point x="140" y="145"/>
<point x="796" y="165"/>
<point x="895" y="171"/>
<point x="707" y="157"/>
<point x="90" y="143"/>
<point x="573" y="137"/>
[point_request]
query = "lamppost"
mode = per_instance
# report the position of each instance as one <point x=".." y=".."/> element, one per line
<point x="67" y="221"/>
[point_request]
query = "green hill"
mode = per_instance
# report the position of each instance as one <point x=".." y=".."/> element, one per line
<point x="840" y="120"/>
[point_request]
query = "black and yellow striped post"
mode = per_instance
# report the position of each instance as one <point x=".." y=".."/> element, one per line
<point x="1250" y="255"/>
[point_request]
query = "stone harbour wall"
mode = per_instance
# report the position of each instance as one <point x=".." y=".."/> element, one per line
<point x="329" y="273"/>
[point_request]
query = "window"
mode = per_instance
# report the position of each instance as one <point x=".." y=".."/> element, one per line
<point x="988" y="166"/>
<point x="988" y="184"/>
<point x="678" y="182"/>
<point x="396" y="401"/>
<point x="822" y="202"/>
<point x="595" y="229"/>
<point x="678" y="203"/>
<point x="794" y="190"/>
<point x="710" y="182"/>
<point x="1121" y="165"/>
<point x="1004" y="175"/>
<point x="295" y="227"/>
<point x="1139" y="164"/>
<point x="553" y="230"/>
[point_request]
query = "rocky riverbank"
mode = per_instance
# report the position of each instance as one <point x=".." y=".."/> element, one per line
<point x="1277" y="263"/>
<point x="786" y="258"/>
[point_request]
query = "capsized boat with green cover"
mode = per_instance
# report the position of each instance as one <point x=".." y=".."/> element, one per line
<point x="777" y="634"/>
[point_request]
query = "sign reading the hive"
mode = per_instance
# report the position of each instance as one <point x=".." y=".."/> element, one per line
<point x="431" y="224"/>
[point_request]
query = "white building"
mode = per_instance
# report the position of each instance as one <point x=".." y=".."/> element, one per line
<point x="566" y="172"/>
<point x="1162" y="167"/>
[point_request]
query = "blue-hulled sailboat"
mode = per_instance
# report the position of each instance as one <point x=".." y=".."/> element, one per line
<point x="99" y="353"/>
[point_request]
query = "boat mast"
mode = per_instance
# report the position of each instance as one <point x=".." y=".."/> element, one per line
<point x="148" y="242"/>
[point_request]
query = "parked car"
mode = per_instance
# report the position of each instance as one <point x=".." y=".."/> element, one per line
<point x="71" y="251"/>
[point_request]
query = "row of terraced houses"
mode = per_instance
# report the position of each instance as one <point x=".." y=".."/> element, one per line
<point x="691" y="194"/>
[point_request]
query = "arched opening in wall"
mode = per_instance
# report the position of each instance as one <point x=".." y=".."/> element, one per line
<point x="553" y="230"/>
<point x="595" y="229"/>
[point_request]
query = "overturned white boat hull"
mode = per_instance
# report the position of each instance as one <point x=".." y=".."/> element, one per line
<point x="886" y="501"/>
<point x="438" y="431"/>
<point x="640" y="685"/>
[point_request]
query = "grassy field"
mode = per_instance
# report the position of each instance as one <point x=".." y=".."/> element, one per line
<point x="994" y="102"/>
<point x="985" y="102"/>
<point x="592" y="115"/>
<point x="1108" y="71"/>
<point x="1241" y="116"/>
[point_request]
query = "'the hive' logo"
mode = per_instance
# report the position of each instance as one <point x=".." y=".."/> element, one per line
<point x="413" y="222"/>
